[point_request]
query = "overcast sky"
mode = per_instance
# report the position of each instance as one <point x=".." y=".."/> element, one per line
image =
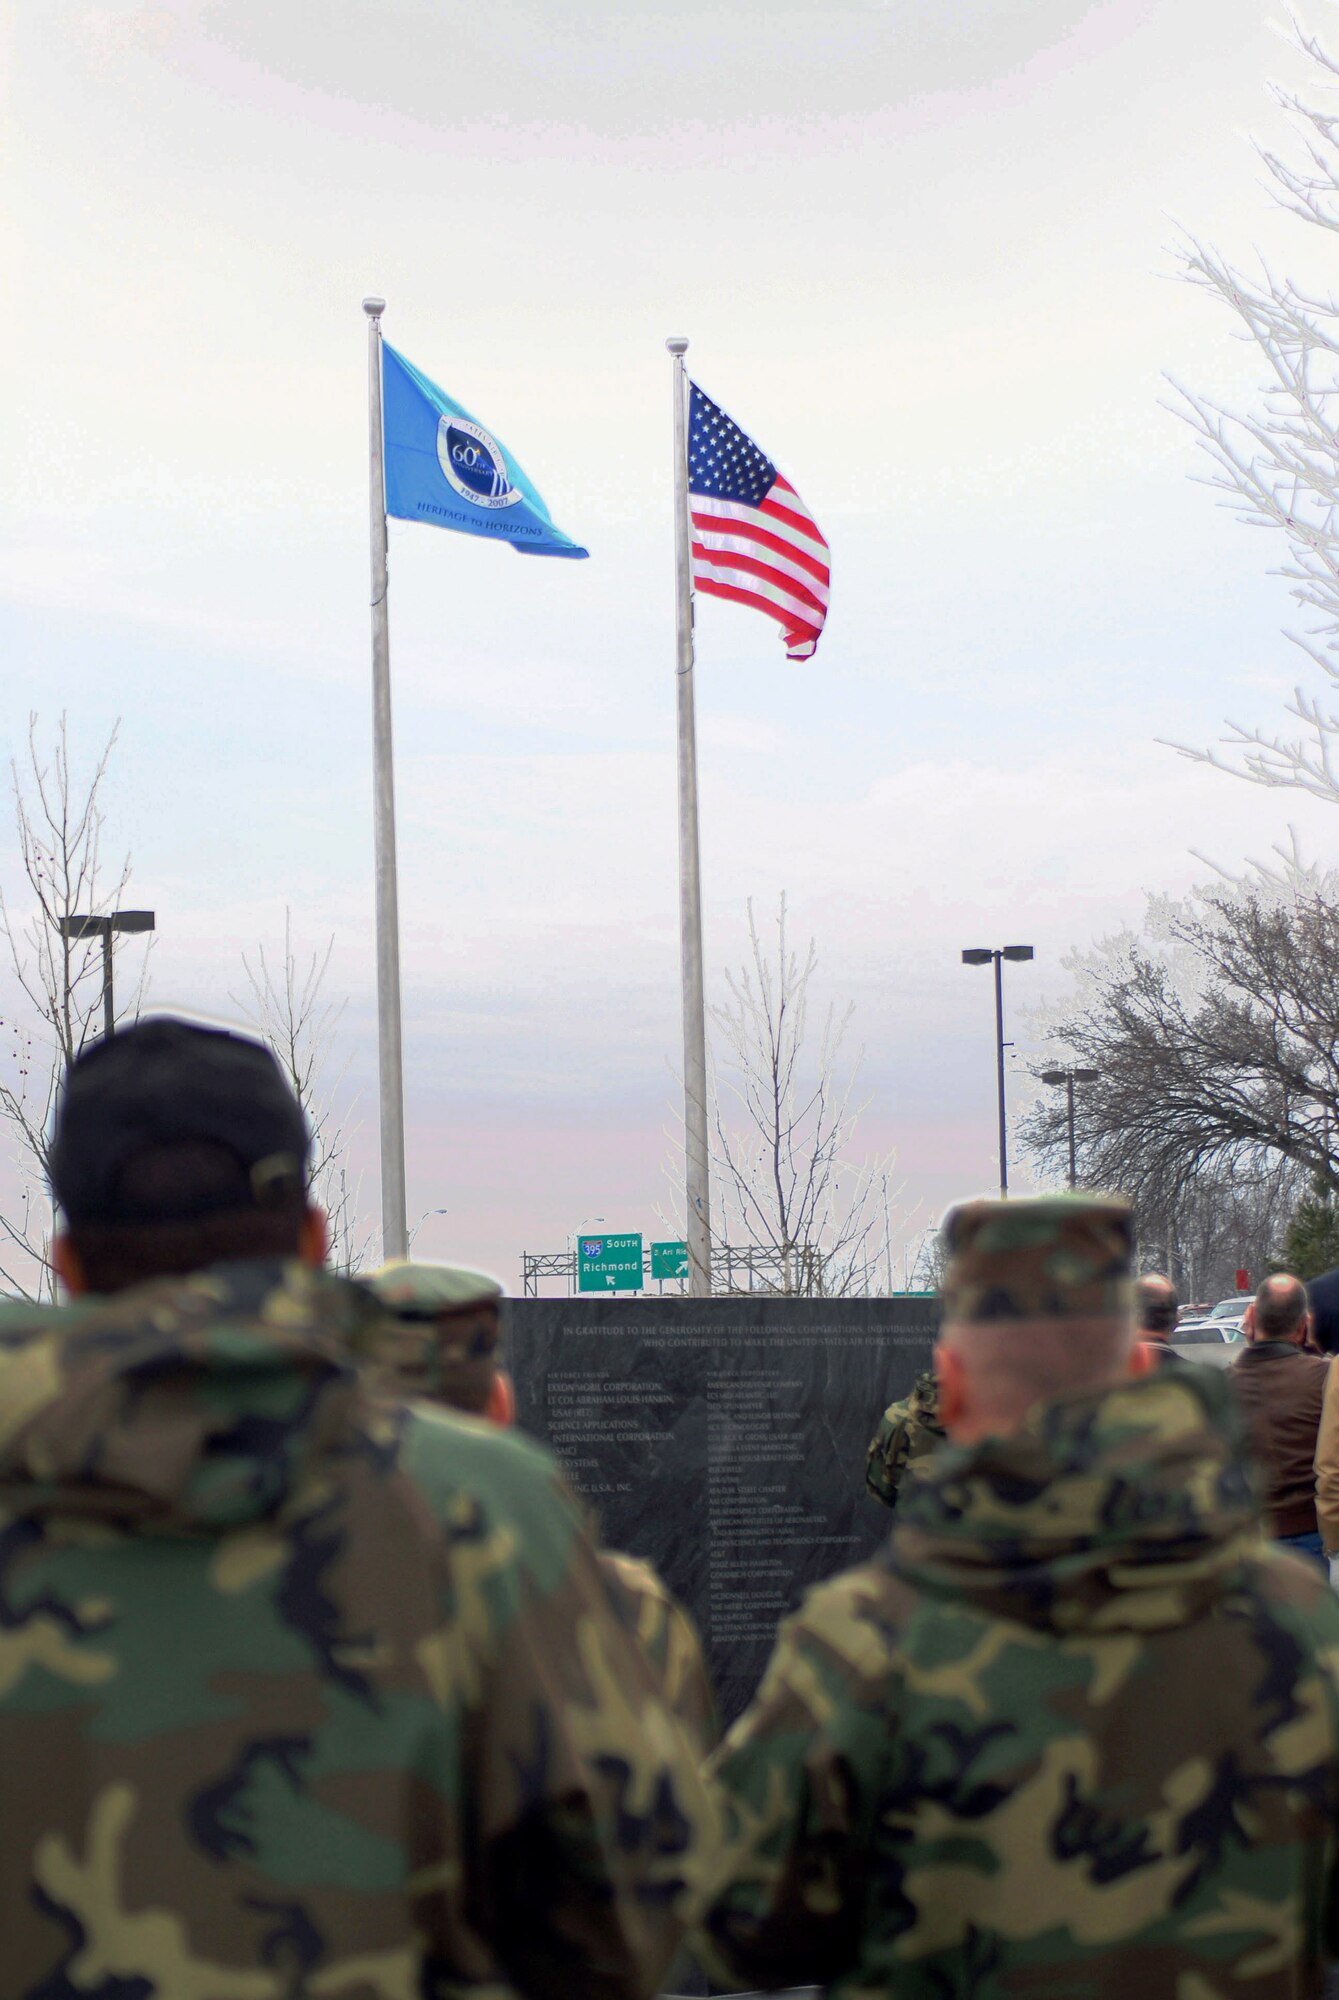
<point x="922" y="252"/>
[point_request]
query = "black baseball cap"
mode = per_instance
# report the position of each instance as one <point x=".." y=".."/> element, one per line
<point x="164" y="1084"/>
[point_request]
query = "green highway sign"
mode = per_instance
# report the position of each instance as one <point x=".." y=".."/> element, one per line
<point x="609" y="1263"/>
<point x="669" y="1260"/>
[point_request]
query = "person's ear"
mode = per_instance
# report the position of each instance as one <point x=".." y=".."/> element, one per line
<point x="68" y="1266"/>
<point x="501" y="1405"/>
<point x="951" y="1375"/>
<point x="314" y="1238"/>
<point x="1248" y="1322"/>
<point x="1143" y="1358"/>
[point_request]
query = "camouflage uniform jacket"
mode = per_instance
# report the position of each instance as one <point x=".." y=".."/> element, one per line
<point x="1075" y="1733"/>
<point x="669" y="1638"/>
<point x="908" y="1432"/>
<point x="302" y="1692"/>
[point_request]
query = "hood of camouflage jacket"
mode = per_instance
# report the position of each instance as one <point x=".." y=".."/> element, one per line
<point x="194" y="1404"/>
<point x="1122" y="1510"/>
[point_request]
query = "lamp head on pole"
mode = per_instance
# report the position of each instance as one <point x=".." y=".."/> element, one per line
<point x="80" y="925"/>
<point x="977" y="956"/>
<point x="1086" y="1075"/>
<point x="1017" y="952"/>
<point x="1055" y="1075"/>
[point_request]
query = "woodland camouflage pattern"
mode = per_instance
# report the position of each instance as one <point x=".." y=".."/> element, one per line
<point x="303" y="1693"/>
<point x="437" y="1338"/>
<point x="669" y="1638"/>
<point x="1075" y="1733"/>
<point x="1055" y="1256"/>
<point x="437" y="1332"/>
<point x="908" y="1432"/>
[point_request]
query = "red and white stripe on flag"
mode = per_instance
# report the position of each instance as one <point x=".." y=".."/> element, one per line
<point x="772" y="556"/>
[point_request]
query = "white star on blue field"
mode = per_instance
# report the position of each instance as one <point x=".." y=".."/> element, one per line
<point x="723" y="461"/>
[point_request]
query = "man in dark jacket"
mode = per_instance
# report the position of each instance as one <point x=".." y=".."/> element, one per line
<point x="1282" y="1388"/>
<point x="1076" y="1730"/>
<point x="1155" y="1309"/>
<point x="303" y="1690"/>
<point x="1323" y="1293"/>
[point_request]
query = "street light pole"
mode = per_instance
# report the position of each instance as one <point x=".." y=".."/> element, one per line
<point x="1069" y="1077"/>
<point x="88" y="925"/>
<point x="981" y="955"/>
<point x="108" y="998"/>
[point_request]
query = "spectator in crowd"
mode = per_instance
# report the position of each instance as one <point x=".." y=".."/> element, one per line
<point x="1281" y="1386"/>
<point x="1323" y="1293"/>
<point x="1155" y="1306"/>
<point x="439" y="1339"/>
<point x="1076" y="1730"/>
<point x="1327" y="1473"/>
<point x="302" y="1690"/>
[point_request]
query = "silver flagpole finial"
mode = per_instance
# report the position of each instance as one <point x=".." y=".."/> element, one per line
<point x="677" y="344"/>
<point x="374" y="307"/>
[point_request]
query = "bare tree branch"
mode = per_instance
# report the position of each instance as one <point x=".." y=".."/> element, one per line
<point x="287" y="1010"/>
<point x="57" y="979"/>
<point x="789" y="1201"/>
<point x="1215" y="1036"/>
<point x="1277" y="466"/>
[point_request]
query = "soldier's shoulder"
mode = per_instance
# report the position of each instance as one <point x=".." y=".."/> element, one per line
<point x="450" y="1457"/>
<point x="638" y="1577"/>
<point x="1295" y="1588"/>
<point x="29" y="1319"/>
<point x="857" y="1619"/>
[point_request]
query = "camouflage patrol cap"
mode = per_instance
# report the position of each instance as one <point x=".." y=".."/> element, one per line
<point x="1056" y="1257"/>
<point x="439" y="1331"/>
<point x="431" y="1291"/>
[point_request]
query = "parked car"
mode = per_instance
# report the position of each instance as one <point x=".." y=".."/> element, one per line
<point x="1230" y="1315"/>
<point x="1216" y="1342"/>
<point x="1203" y="1333"/>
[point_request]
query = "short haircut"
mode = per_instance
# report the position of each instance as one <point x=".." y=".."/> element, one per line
<point x="116" y="1255"/>
<point x="1155" y="1303"/>
<point x="1280" y="1306"/>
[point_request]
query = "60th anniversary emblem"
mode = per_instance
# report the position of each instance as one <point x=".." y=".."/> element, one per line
<point x="474" y="464"/>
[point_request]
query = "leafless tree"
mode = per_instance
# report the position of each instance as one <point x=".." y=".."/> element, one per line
<point x="1278" y="464"/>
<point x="1216" y="1041"/>
<point x="55" y="979"/>
<point x="784" y="1121"/>
<point x="286" y="1006"/>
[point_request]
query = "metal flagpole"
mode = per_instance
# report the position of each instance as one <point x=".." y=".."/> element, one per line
<point x="394" y="1230"/>
<point x="697" y="1179"/>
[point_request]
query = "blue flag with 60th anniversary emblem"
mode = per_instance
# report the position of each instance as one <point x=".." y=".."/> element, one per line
<point x="444" y="468"/>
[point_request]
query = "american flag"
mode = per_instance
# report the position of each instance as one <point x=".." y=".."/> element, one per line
<point x="754" y="540"/>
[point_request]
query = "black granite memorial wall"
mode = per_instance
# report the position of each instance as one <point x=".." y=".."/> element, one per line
<point x="722" y="1439"/>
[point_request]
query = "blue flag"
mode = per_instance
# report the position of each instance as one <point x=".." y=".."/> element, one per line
<point x="443" y="468"/>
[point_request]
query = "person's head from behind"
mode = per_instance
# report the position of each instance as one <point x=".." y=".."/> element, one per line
<point x="1037" y="1302"/>
<point x="176" y="1147"/>
<point x="1279" y="1311"/>
<point x="1155" y="1306"/>
<point x="439" y="1337"/>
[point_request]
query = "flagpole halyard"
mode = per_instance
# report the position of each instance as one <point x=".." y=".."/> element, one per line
<point x="394" y="1228"/>
<point x="697" y="1171"/>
